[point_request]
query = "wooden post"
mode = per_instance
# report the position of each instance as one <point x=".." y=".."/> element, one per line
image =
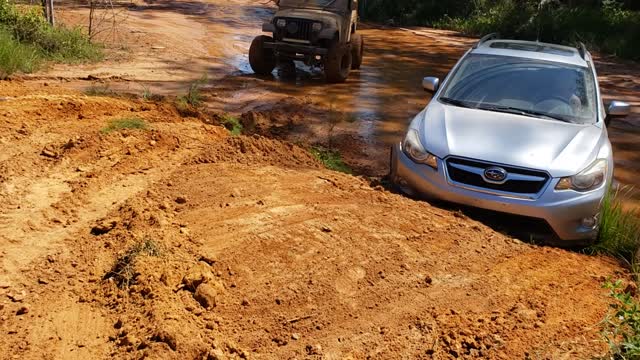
<point x="52" y="15"/>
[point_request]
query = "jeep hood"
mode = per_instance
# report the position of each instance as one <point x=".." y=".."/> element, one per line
<point x="560" y="148"/>
<point x="326" y="17"/>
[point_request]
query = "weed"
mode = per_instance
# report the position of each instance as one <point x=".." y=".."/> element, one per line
<point x="124" y="123"/>
<point x="619" y="229"/>
<point x="232" y="124"/>
<point x="331" y="159"/>
<point x="99" y="90"/>
<point x="621" y="325"/>
<point x="147" y="95"/>
<point x="188" y="104"/>
<point x="123" y="271"/>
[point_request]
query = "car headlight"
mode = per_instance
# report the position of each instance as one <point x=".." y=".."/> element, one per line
<point x="589" y="179"/>
<point x="316" y="27"/>
<point x="281" y="23"/>
<point x="414" y="149"/>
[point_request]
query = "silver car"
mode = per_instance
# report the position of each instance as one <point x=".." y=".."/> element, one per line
<point x="517" y="127"/>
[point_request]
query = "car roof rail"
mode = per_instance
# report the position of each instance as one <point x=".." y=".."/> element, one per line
<point x="582" y="49"/>
<point x="486" y="38"/>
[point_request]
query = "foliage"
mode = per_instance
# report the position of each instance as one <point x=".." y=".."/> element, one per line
<point x="99" y="90"/>
<point x="38" y="41"/>
<point x="331" y="159"/>
<point x="619" y="230"/>
<point x="125" y="123"/>
<point x="15" y="56"/>
<point x="609" y="25"/>
<point x="621" y="326"/>
<point x="232" y="124"/>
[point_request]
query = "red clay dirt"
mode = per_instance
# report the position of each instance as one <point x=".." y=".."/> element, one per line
<point x="180" y="241"/>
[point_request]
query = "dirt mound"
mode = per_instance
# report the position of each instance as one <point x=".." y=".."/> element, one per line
<point x="178" y="241"/>
<point x="257" y="150"/>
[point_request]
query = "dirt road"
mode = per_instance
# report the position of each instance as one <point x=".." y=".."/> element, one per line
<point x="182" y="242"/>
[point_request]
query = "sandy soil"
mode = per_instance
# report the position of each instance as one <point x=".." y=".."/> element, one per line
<point x="182" y="242"/>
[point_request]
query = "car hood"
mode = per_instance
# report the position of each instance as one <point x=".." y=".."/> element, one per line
<point x="562" y="149"/>
<point x="326" y="17"/>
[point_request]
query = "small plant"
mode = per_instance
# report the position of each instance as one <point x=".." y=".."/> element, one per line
<point x="124" y="123"/>
<point x="232" y="124"/>
<point x="147" y="95"/>
<point x="621" y="326"/>
<point x="188" y="104"/>
<point x="99" y="90"/>
<point x="331" y="159"/>
<point x="123" y="271"/>
<point x="619" y="230"/>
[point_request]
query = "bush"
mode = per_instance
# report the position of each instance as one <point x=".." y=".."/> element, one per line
<point x="609" y="25"/>
<point x="15" y="56"/>
<point x="40" y="41"/>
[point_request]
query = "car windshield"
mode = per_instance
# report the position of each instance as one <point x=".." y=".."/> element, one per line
<point x="315" y="4"/>
<point x="523" y="86"/>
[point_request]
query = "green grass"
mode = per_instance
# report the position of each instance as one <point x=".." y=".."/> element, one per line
<point x="232" y="124"/>
<point x="124" y="123"/>
<point x="621" y="325"/>
<point x="331" y="159"/>
<point x="15" y="56"/>
<point x="27" y="41"/>
<point x="123" y="270"/>
<point x="619" y="230"/>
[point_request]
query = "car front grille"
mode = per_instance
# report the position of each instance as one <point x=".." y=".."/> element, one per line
<point x="519" y="181"/>
<point x="296" y="29"/>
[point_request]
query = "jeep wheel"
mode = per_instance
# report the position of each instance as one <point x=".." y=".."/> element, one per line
<point x="357" y="51"/>
<point x="262" y="60"/>
<point x="337" y="63"/>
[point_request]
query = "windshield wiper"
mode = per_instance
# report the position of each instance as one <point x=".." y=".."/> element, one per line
<point x="525" y="112"/>
<point x="454" y="102"/>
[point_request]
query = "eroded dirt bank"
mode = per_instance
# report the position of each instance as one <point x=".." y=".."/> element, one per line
<point x="181" y="242"/>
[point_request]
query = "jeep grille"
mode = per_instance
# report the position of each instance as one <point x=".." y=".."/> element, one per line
<point x="296" y="29"/>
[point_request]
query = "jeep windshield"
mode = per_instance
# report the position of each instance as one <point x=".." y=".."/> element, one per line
<point x="522" y="86"/>
<point x="315" y="4"/>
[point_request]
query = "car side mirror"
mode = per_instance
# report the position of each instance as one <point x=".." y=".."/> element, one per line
<point x="431" y="84"/>
<point x="617" y="109"/>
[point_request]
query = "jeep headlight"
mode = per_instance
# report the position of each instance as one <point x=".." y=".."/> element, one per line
<point x="316" y="27"/>
<point x="281" y="23"/>
<point x="589" y="179"/>
<point x="414" y="150"/>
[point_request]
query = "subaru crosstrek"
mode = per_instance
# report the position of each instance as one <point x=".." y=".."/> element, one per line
<point x="517" y="127"/>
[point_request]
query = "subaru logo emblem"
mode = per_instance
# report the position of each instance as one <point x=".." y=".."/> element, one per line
<point x="495" y="174"/>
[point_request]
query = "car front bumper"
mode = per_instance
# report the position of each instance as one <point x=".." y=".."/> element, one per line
<point x="562" y="210"/>
<point x="293" y="48"/>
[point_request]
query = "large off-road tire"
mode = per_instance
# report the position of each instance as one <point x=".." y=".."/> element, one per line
<point x="337" y="63"/>
<point x="357" y="51"/>
<point x="262" y="60"/>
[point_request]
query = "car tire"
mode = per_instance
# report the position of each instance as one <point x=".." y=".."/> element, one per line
<point x="337" y="63"/>
<point x="261" y="59"/>
<point x="357" y="51"/>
